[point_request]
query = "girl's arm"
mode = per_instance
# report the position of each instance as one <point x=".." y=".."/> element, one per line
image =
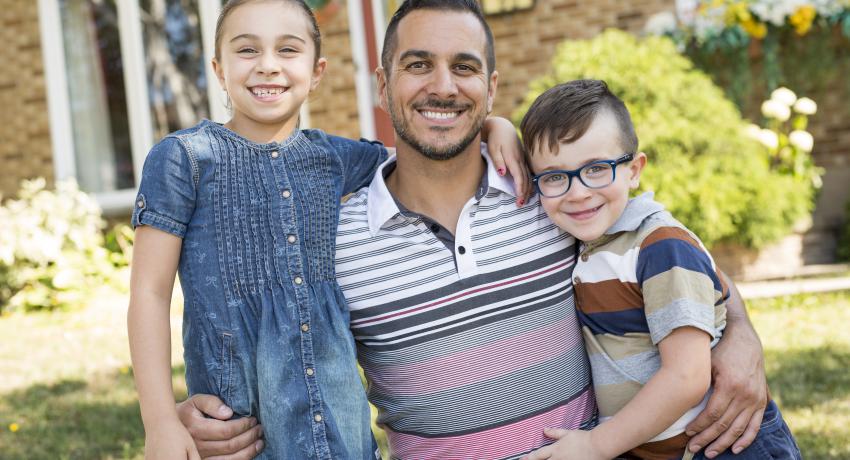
<point x="505" y="150"/>
<point x="679" y="385"/>
<point x="155" y="258"/>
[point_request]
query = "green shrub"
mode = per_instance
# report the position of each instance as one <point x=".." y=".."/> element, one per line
<point x="844" y="236"/>
<point x="702" y="166"/>
<point x="52" y="253"/>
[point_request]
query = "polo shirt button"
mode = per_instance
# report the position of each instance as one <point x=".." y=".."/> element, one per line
<point x="291" y="239"/>
<point x="286" y="193"/>
<point x="305" y="327"/>
<point x="584" y="257"/>
<point x="275" y="154"/>
<point x="298" y="280"/>
<point x="317" y="417"/>
<point x="310" y="371"/>
<point x="461" y="250"/>
<point x="435" y="228"/>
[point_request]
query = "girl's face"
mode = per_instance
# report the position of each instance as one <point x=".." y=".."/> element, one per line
<point x="268" y="67"/>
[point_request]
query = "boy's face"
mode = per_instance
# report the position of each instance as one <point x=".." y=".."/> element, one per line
<point x="584" y="212"/>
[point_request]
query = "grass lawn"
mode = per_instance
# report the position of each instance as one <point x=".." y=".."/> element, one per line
<point x="66" y="389"/>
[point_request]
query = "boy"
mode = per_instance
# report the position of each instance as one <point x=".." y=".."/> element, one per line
<point x="649" y="299"/>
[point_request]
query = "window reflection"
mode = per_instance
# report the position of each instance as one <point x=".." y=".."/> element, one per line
<point x="174" y="56"/>
<point x="98" y="105"/>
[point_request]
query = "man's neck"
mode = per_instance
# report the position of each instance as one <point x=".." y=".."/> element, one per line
<point x="437" y="189"/>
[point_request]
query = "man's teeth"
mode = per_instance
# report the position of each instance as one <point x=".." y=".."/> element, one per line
<point x="266" y="91"/>
<point x="440" y="115"/>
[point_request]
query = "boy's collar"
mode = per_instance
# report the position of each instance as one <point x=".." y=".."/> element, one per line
<point x="636" y="210"/>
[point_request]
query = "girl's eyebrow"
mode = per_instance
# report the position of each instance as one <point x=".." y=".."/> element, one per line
<point x="279" y="38"/>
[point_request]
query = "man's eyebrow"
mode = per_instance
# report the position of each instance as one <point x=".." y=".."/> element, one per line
<point x="468" y="57"/>
<point x="279" y="38"/>
<point x="422" y="54"/>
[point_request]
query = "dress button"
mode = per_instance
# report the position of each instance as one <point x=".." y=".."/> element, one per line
<point x="584" y="257"/>
<point x="291" y="239"/>
<point x="140" y="204"/>
<point x="275" y="154"/>
<point x="286" y="193"/>
<point x="298" y="280"/>
<point x="305" y="327"/>
<point x="317" y="417"/>
<point x="309" y="371"/>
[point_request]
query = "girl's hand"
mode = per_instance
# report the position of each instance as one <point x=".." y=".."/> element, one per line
<point x="570" y="445"/>
<point x="506" y="151"/>
<point x="170" y="441"/>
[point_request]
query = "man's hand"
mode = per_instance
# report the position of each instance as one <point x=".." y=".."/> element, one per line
<point x="215" y="435"/>
<point x="734" y="411"/>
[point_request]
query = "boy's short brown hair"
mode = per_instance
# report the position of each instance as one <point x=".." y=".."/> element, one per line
<point x="564" y="113"/>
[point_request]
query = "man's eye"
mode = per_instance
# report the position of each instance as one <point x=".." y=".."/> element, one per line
<point x="417" y="65"/>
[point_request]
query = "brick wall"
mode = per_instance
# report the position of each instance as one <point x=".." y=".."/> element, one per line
<point x="25" y="149"/>
<point x="333" y="106"/>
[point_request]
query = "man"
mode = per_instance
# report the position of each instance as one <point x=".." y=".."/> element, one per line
<point x="461" y="304"/>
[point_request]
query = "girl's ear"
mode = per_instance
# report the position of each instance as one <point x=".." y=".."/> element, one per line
<point x="219" y="73"/>
<point x="318" y="72"/>
<point x="635" y="168"/>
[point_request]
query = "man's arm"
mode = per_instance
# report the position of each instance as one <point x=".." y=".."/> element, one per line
<point x="734" y="411"/>
<point x="208" y="421"/>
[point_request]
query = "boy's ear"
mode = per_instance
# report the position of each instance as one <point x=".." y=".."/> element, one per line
<point x="635" y="168"/>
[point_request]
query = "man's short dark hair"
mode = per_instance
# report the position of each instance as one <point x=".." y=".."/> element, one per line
<point x="565" y="112"/>
<point x="463" y="6"/>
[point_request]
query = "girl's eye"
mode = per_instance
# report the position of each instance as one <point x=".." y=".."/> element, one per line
<point x="246" y="50"/>
<point x="287" y="50"/>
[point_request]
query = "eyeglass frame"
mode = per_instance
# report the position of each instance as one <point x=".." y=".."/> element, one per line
<point x="625" y="158"/>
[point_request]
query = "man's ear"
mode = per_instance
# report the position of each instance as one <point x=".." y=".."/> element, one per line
<point x="318" y="72"/>
<point x="491" y="90"/>
<point x="635" y="168"/>
<point x="381" y="77"/>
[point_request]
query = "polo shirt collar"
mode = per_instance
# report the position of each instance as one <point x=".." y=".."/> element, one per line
<point x="637" y="209"/>
<point x="381" y="207"/>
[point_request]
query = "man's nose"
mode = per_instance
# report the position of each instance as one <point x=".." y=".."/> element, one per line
<point x="443" y="83"/>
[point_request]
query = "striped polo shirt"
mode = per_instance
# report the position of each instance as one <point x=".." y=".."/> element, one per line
<point x="470" y="351"/>
<point x="647" y="276"/>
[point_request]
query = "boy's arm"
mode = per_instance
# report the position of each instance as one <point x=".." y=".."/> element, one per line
<point x="736" y="406"/>
<point x="505" y="150"/>
<point x="680" y="384"/>
<point x="155" y="258"/>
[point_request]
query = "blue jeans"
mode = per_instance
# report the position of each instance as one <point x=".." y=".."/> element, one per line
<point x="773" y="442"/>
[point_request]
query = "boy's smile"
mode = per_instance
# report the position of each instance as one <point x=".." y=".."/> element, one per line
<point x="585" y="212"/>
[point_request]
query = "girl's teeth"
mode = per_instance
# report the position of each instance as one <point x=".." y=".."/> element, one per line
<point x="267" y="91"/>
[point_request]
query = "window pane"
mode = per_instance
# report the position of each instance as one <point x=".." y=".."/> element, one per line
<point x="177" y="83"/>
<point x="98" y="105"/>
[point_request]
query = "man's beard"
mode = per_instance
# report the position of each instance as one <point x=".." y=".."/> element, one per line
<point x="432" y="152"/>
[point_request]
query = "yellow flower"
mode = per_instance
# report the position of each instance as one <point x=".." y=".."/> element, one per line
<point x="124" y="370"/>
<point x="754" y="29"/>
<point x="802" y="19"/>
<point x="14" y="427"/>
<point x="737" y="13"/>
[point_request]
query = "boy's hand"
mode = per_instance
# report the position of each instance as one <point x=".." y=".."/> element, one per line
<point x="571" y="445"/>
<point x="169" y="441"/>
<point x="208" y="422"/>
<point x="506" y="152"/>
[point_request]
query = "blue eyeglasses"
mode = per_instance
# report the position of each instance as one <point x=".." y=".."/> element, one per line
<point x="599" y="174"/>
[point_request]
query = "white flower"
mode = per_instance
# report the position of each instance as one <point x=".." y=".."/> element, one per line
<point x="753" y="131"/>
<point x="805" y="106"/>
<point x="784" y="95"/>
<point x="802" y="140"/>
<point x="661" y="23"/>
<point x="768" y="138"/>
<point x="772" y="108"/>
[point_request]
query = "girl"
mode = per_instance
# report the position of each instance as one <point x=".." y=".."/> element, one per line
<point x="247" y="213"/>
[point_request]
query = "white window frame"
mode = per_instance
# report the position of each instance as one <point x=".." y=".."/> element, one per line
<point x="135" y="77"/>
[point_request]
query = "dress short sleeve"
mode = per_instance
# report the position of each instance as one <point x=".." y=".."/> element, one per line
<point x="166" y="198"/>
<point x="360" y="159"/>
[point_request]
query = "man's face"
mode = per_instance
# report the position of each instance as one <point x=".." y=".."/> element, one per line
<point x="438" y="91"/>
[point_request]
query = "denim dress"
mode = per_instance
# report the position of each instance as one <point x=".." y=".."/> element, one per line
<point x="265" y="325"/>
